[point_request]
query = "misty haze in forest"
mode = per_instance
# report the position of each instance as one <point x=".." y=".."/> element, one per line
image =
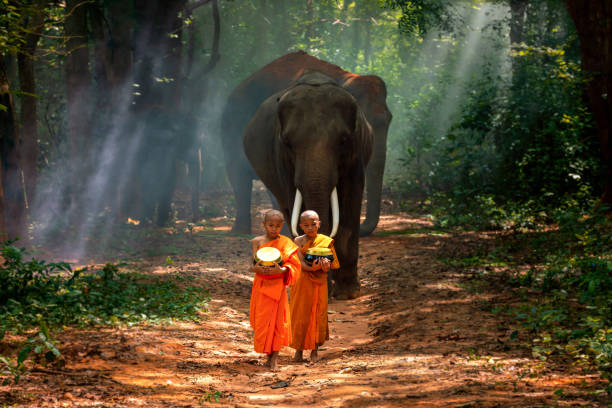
<point x="129" y="99"/>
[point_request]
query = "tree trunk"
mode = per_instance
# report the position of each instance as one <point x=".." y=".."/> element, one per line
<point x="3" y="233"/>
<point x="356" y="42"/>
<point x="101" y="69"/>
<point x="283" y="36"/>
<point x="77" y="98"/>
<point x="118" y="65"/>
<point x="517" y="20"/>
<point x="158" y="54"/>
<point x="367" y="49"/>
<point x="593" y="20"/>
<point x="29" y="110"/>
<point x="12" y="205"/>
<point x="172" y="68"/>
<point x="309" y="32"/>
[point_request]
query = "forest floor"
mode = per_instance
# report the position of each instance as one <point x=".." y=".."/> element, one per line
<point x="421" y="335"/>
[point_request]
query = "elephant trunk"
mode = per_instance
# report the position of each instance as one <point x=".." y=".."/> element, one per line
<point x="374" y="180"/>
<point x="320" y="201"/>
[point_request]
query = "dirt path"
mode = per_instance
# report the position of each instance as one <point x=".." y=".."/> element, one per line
<point x="420" y="336"/>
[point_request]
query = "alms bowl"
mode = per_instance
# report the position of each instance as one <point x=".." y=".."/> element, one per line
<point x="268" y="256"/>
<point x="313" y="253"/>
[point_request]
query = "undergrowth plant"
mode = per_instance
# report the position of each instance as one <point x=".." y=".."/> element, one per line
<point x="37" y="298"/>
<point x="571" y="312"/>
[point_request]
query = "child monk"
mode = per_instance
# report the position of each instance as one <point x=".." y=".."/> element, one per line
<point x="269" y="312"/>
<point x="309" y="328"/>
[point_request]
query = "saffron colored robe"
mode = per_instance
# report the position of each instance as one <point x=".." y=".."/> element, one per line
<point x="269" y="311"/>
<point x="308" y="301"/>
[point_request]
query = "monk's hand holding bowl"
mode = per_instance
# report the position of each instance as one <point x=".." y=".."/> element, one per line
<point x="276" y="269"/>
<point x="325" y="264"/>
<point x="259" y="268"/>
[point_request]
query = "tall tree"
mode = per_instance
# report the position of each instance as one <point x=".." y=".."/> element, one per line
<point x="33" y="20"/>
<point x="593" y="21"/>
<point x="13" y="205"/>
<point x="78" y="95"/>
<point x="158" y="55"/>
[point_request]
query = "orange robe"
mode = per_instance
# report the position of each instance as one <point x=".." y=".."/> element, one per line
<point x="308" y="301"/>
<point x="269" y="312"/>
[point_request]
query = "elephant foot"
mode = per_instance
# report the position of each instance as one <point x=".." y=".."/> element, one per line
<point x="346" y="293"/>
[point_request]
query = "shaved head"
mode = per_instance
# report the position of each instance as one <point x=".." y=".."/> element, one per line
<point x="309" y="214"/>
<point x="273" y="214"/>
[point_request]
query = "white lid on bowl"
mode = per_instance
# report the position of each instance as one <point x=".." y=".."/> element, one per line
<point x="268" y="254"/>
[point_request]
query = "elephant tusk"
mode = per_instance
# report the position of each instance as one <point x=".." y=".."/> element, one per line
<point x="335" y="211"/>
<point x="295" y="214"/>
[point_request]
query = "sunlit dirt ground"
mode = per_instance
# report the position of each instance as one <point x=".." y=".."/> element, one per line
<point x="421" y="335"/>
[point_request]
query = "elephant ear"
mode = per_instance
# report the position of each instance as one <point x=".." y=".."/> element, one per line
<point x="364" y="136"/>
<point x="366" y="88"/>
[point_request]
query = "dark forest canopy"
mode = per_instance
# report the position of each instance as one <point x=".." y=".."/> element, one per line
<point x="496" y="104"/>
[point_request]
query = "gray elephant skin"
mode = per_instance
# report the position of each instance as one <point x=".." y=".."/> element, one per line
<point x="369" y="91"/>
<point x="309" y="143"/>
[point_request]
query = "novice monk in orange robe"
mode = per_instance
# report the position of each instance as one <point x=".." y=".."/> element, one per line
<point x="308" y="300"/>
<point x="269" y="312"/>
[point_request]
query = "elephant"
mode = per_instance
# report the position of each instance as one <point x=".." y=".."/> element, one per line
<point x="310" y="145"/>
<point x="369" y="91"/>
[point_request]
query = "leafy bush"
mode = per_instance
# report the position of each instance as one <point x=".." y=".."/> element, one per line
<point x="21" y="279"/>
<point x="572" y="313"/>
<point x="47" y="296"/>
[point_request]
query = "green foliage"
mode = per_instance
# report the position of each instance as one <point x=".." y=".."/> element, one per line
<point x="40" y="344"/>
<point x="420" y="16"/>
<point x="20" y="279"/>
<point x="48" y="296"/>
<point x="504" y="135"/>
<point x="209" y="396"/>
<point x="571" y="313"/>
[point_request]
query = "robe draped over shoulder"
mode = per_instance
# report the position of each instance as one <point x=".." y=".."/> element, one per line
<point x="269" y="311"/>
<point x="308" y="303"/>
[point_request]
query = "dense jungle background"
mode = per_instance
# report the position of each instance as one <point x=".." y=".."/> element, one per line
<point x="488" y="281"/>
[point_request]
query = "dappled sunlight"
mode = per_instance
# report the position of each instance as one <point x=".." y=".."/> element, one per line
<point x="418" y="336"/>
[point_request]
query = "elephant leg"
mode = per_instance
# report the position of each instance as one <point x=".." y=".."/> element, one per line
<point x="346" y="282"/>
<point x="346" y="279"/>
<point x="242" y="183"/>
<point x="374" y="182"/>
<point x="330" y="284"/>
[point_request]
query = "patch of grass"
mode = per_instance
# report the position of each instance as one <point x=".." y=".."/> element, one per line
<point x="566" y="299"/>
<point x="40" y="297"/>
<point x="413" y="231"/>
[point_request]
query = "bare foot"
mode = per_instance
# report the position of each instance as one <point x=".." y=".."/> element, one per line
<point x="299" y="356"/>
<point x="314" y="356"/>
<point x="274" y="361"/>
